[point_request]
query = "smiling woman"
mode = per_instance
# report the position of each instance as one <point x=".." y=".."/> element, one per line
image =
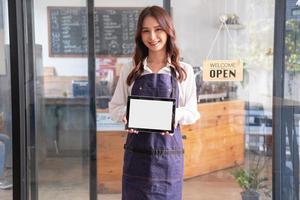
<point x="156" y="72"/>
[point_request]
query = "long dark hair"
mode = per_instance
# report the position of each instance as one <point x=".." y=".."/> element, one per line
<point x="141" y="51"/>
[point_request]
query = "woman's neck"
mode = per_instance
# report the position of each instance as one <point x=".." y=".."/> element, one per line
<point x="156" y="61"/>
<point x="157" y="57"/>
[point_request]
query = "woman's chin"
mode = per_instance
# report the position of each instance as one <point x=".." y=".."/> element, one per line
<point x="155" y="49"/>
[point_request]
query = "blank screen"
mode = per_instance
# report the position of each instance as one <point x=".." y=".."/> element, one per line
<point x="150" y="114"/>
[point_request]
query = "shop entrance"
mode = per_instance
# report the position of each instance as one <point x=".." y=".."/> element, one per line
<point x="61" y="62"/>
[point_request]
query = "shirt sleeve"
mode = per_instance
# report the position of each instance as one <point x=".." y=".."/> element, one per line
<point x="187" y="112"/>
<point x="117" y="105"/>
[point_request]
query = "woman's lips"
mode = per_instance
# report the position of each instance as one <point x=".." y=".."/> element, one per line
<point x="154" y="44"/>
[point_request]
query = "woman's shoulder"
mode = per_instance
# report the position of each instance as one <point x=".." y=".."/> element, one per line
<point x="127" y="68"/>
<point x="187" y="67"/>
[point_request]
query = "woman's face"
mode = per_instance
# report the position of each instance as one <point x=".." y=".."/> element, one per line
<point x="153" y="36"/>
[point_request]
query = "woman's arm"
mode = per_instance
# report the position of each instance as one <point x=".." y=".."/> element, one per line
<point x="187" y="112"/>
<point x="117" y="105"/>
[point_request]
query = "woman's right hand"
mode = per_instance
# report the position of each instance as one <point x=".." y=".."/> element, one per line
<point x="130" y="131"/>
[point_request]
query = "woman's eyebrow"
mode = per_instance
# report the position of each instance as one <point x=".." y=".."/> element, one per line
<point x="145" y="27"/>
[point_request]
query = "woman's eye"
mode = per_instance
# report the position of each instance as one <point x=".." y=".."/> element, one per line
<point x="145" y="31"/>
<point x="159" y="29"/>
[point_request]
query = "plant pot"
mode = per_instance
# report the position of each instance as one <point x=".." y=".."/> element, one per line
<point x="250" y="195"/>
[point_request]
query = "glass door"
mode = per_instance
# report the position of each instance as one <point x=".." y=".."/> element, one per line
<point x="228" y="152"/>
<point x="59" y="163"/>
<point x="6" y="171"/>
<point x="234" y="134"/>
<point x="286" y="102"/>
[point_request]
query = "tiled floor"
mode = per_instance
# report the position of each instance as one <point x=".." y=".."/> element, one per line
<point x="65" y="179"/>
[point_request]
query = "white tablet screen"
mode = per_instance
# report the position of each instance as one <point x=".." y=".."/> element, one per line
<point x="150" y="114"/>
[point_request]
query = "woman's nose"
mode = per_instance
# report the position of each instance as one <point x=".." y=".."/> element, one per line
<point x="152" y="35"/>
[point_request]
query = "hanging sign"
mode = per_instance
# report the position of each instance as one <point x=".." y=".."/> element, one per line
<point x="222" y="70"/>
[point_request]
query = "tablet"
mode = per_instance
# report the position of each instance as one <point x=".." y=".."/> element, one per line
<point x="151" y="114"/>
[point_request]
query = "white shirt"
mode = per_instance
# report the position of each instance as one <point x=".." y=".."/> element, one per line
<point x="187" y="111"/>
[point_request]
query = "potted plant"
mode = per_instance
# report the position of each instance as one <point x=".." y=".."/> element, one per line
<point x="252" y="182"/>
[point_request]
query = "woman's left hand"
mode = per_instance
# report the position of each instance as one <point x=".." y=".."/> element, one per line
<point x="167" y="133"/>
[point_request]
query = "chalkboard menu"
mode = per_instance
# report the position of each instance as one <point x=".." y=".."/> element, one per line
<point x="114" y="31"/>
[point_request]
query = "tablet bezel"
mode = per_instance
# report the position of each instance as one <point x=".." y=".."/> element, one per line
<point x="154" y="99"/>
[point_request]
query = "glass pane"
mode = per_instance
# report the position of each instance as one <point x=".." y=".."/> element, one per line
<point x="117" y="21"/>
<point x="291" y="108"/>
<point x="234" y="133"/>
<point x="5" y="107"/>
<point x="61" y="101"/>
<point x="235" y="129"/>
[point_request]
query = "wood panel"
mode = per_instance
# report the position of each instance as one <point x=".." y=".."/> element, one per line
<point x="110" y="160"/>
<point x="214" y="142"/>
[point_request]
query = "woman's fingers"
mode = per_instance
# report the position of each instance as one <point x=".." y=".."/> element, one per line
<point x="132" y="131"/>
<point x="135" y="131"/>
<point x="166" y="133"/>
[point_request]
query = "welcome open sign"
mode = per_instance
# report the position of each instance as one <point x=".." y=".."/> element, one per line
<point x="222" y="70"/>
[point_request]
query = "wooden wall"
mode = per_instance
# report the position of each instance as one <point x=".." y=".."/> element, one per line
<point x="215" y="142"/>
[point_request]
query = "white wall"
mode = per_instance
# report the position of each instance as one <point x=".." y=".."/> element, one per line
<point x="252" y="45"/>
<point x="196" y="25"/>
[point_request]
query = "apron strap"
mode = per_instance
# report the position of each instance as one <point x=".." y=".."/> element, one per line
<point x="174" y="85"/>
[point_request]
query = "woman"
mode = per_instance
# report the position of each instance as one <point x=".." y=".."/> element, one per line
<point x="153" y="163"/>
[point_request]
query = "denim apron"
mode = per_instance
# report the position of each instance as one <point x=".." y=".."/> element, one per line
<point x="153" y="163"/>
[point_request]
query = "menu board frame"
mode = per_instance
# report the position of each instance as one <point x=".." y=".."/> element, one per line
<point x="98" y="10"/>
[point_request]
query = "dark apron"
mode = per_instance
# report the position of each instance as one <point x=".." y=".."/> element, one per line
<point x="153" y="163"/>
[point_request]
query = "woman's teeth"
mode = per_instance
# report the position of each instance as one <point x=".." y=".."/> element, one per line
<point x="154" y="44"/>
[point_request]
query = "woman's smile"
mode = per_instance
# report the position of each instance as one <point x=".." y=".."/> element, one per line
<point x="154" y="44"/>
<point x="153" y="36"/>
